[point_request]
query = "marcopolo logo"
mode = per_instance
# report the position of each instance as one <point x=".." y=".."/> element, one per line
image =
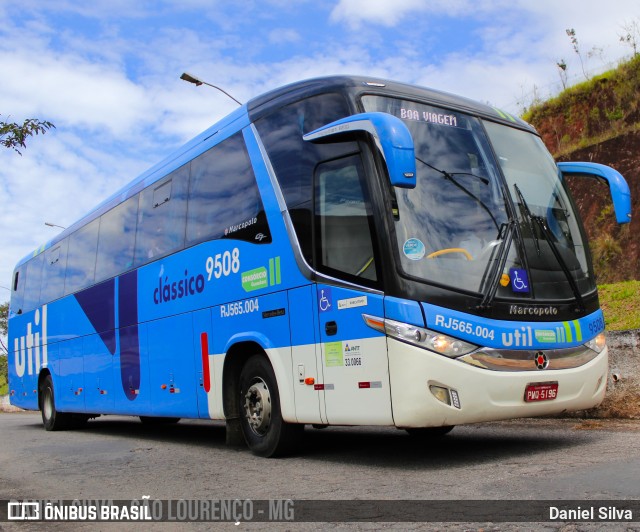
<point x="519" y="310"/>
<point x="169" y="290"/>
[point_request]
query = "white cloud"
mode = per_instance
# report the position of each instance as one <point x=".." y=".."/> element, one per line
<point x="355" y="12"/>
<point x="73" y="91"/>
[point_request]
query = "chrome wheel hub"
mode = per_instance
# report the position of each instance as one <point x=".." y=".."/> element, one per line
<point x="257" y="407"/>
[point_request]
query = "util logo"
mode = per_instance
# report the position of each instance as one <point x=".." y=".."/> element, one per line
<point x="31" y="349"/>
<point x="518" y="338"/>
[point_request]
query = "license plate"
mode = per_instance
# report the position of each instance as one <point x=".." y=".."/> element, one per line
<point x="540" y="391"/>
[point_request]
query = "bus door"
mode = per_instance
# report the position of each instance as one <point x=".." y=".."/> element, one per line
<point x="355" y="379"/>
<point x="355" y="367"/>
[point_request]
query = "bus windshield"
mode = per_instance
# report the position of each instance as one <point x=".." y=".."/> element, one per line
<point x="471" y="174"/>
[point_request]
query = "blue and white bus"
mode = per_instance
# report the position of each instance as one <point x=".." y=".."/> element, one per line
<point x="340" y="251"/>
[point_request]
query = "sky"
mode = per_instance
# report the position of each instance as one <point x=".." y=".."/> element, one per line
<point x="107" y="74"/>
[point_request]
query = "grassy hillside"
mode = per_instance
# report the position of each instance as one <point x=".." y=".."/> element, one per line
<point x="621" y="305"/>
<point x="591" y="112"/>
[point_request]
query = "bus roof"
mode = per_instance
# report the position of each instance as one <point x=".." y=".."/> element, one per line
<point x="354" y="85"/>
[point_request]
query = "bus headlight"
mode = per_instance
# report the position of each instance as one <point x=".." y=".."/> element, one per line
<point x="598" y="343"/>
<point x="421" y="337"/>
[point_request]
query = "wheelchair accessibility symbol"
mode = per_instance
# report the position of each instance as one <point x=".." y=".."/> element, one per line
<point x="324" y="303"/>
<point x="519" y="280"/>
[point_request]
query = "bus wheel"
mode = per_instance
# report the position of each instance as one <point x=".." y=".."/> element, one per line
<point x="429" y="433"/>
<point x="51" y="418"/>
<point x="265" y="432"/>
<point x="151" y="420"/>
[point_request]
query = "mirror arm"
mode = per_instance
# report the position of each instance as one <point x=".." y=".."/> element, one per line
<point x="391" y="136"/>
<point x="618" y="187"/>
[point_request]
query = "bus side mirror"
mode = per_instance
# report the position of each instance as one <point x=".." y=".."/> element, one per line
<point x="617" y="185"/>
<point x="391" y="136"/>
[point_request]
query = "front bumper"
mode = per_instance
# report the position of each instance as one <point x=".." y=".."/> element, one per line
<point x="484" y="394"/>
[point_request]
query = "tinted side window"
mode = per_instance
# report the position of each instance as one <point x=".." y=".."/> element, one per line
<point x="294" y="160"/>
<point x="17" y="292"/>
<point x="344" y="220"/>
<point x="224" y="200"/>
<point x="81" y="261"/>
<point x="162" y="215"/>
<point x="32" y="282"/>
<point x="116" y="239"/>
<point x="55" y="263"/>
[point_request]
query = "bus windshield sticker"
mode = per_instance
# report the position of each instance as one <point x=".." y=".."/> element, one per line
<point x="440" y="119"/>
<point x="413" y="249"/>
<point x="519" y="280"/>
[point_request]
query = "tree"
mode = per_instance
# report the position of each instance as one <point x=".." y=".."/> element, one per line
<point x="631" y="35"/>
<point x="4" y="313"/>
<point x="15" y="136"/>
<point x="3" y="370"/>
<point x="571" y="33"/>
<point x="562" y="69"/>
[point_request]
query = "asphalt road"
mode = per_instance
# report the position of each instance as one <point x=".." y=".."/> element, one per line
<point x="119" y="458"/>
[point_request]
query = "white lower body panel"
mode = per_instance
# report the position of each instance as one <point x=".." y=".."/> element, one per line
<point x="484" y="395"/>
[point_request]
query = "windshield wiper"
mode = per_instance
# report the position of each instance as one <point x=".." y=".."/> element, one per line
<point x="449" y="176"/>
<point x="529" y="216"/>
<point x="542" y="225"/>
<point x="563" y="264"/>
<point x="493" y="274"/>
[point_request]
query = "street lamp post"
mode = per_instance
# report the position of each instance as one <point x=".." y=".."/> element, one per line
<point x="49" y="224"/>
<point x="197" y="82"/>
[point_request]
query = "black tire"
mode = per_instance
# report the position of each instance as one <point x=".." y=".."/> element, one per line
<point x="430" y="433"/>
<point x="51" y="418"/>
<point x="264" y="430"/>
<point x="151" y="420"/>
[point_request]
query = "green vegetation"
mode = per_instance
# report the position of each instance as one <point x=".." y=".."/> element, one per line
<point x="605" y="250"/>
<point x="4" y="386"/>
<point x="590" y="112"/>
<point x="621" y="305"/>
<point x="14" y="136"/>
